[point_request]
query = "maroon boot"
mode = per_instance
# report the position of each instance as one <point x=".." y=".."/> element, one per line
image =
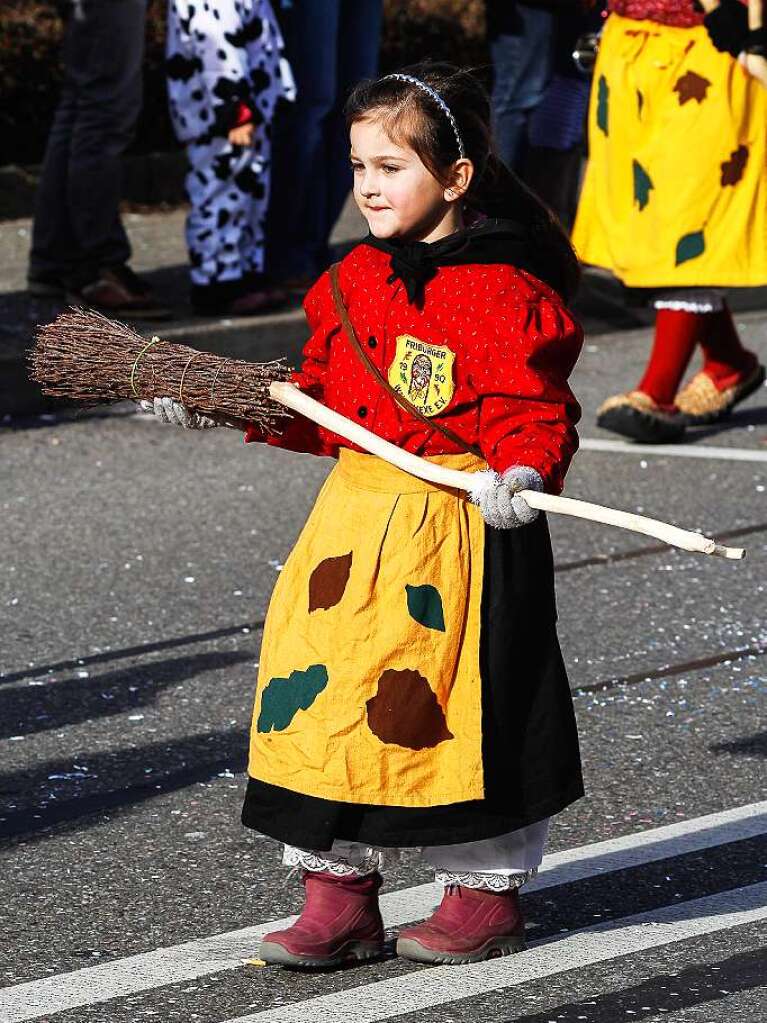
<point x="340" y="921"/>
<point x="469" y="925"/>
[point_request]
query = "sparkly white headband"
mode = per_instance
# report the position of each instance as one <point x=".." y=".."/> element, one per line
<point x="438" y="100"/>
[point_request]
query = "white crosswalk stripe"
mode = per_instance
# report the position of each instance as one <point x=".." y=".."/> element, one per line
<point x="622" y="447"/>
<point x="216" y="953"/>
<point x="441" y="985"/>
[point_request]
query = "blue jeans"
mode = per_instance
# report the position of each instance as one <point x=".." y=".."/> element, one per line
<point x="521" y="47"/>
<point x="331" y="45"/>
<point x="77" y="228"/>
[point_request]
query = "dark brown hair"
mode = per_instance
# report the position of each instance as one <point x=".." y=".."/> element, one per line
<point x="409" y="115"/>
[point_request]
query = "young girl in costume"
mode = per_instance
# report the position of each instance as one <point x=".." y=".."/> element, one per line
<point x="411" y="688"/>
<point x="675" y="200"/>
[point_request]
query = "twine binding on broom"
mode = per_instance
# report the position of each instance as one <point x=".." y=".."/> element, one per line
<point x="138" y="359"/>
<point x="183" y="374"/>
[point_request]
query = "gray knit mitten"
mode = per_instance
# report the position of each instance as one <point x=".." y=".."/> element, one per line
<point x="498" y="496"/>
<point x="168" y="410"/>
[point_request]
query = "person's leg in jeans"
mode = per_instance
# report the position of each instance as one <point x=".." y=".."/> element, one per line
<point x="358" y="46"/>
<point x="54" y="250"/>
<point x="109" y="102"/>
<point x="78" y="224"/>
<point x="298" y="155"/>
<point x="521" y="41"/>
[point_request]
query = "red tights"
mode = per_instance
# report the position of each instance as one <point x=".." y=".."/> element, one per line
<point x="677" y="332"/>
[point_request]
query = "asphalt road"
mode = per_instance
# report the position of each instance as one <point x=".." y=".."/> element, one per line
<point x="134" y="577"/>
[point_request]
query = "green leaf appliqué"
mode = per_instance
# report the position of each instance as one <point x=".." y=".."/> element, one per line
<point x="284" y="697"/>
<point x="642" y="185"/>
<point x="603" y="103"/>
<point x="690" y="246"/>
<point x="425" y="605"/>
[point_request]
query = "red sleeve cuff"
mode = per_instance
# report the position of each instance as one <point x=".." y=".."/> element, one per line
<point x="253" y="433"/>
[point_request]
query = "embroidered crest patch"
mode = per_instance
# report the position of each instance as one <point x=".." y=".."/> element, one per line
<point x="423" y="374"/>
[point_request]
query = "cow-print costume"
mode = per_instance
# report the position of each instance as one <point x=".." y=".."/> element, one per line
<point x="224" y="56"/>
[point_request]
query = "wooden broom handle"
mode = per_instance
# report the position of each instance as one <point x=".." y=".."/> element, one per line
<point x="290" y="396"/>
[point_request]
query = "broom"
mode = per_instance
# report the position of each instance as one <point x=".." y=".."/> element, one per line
<point x="88" y="358"/>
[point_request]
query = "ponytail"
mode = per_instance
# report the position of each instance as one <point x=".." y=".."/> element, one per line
<point x="498" y="193"/>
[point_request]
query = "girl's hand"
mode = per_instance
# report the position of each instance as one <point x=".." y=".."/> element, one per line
<point x="168" y="410"/>
<point x="497" y="496"/>
<point x="242" y="135"/>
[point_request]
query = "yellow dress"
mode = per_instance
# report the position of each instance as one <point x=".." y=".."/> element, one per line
<point x="675" y="192"/>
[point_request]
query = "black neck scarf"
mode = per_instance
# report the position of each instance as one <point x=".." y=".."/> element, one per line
<point x="489" y="241"/>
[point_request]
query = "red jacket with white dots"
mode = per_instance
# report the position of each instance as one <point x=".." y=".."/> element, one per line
<point x="679" y="13"/>
<point x="488" y="355"/>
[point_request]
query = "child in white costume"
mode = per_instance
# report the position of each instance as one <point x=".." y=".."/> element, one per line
<point x="226" y="73"/>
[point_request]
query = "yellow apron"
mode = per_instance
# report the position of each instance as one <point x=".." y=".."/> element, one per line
<point x="369" y="680"/>
<point x="675" y="192"/>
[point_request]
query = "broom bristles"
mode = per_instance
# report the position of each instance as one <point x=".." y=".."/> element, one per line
<point x="86" y="357"/>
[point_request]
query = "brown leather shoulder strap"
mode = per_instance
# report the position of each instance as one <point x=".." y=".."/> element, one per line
<point x="400" y="399"/>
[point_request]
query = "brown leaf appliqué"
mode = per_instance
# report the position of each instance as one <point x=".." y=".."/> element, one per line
<point x="405" y="711"/>
<point x="328" y="582"/>
<point x="691" y="86"/>
<point x="732" y="169"/>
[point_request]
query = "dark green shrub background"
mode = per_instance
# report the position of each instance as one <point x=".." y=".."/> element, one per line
<point x="30" y="73"/>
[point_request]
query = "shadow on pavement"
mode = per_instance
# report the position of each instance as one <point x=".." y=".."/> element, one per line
<point x="74" y="663"/>
<point x="736" y="420"/>
<point x="690" y="987"/>
<point x="746" y="746"/>
<point x="34" y="805"/>
<point x="70" y="701"/>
